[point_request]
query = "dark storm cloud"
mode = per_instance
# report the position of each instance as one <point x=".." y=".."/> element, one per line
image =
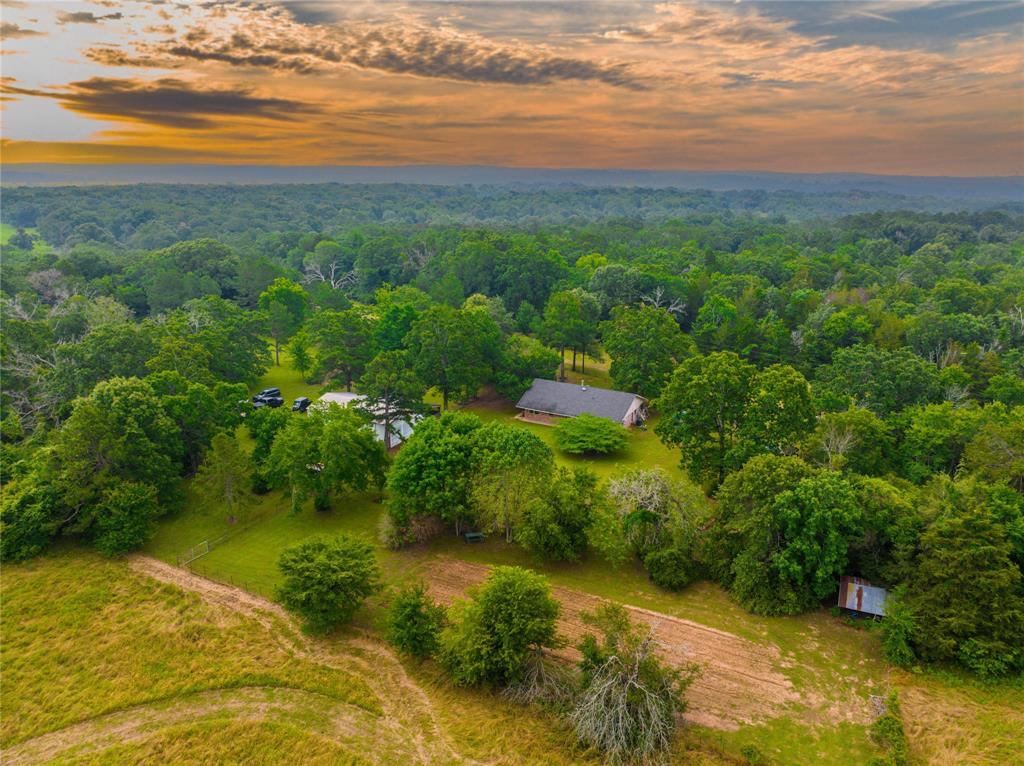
<point x="167" y="102"/>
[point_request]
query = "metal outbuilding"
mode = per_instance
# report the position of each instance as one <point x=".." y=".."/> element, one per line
<point x="859" y="595"/>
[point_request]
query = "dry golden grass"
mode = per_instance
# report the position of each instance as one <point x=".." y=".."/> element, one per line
<point x="954" y="722"/>
<point x="105" y="664"/>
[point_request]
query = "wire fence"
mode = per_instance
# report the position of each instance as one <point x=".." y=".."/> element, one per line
<point x="190" y="560"/>
<point x="200" y="549"/>
<point x="230" y="580"/>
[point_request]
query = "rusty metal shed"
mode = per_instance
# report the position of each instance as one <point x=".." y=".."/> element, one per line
<point x="859" y="595"/>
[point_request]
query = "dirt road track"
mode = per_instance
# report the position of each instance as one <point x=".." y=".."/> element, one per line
<point x="406" y="732"/>
<point x="739" y="684"/>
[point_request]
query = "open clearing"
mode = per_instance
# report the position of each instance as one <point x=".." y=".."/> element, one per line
<point x="109" y="670"/>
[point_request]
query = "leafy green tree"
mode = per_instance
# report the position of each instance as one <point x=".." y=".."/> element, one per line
<point x="741" y="496"/>
<point x="560" y="312"/>
<point x="300" y="349"/>
<point x="414" y="622"/>
<point x="117" y="435"/>
<point x="329" y="450"/>
<point x="235" y="338"/>
<point x="966" y="594"/>
<point x="507" y="618"/>
<point x="198" y="411"/>
<point x="591" y="434"/>
<point x="704" y="407"/>
<point x="524" y="360"/>
<point x="935" y="438"/>
<point x="554" y="526"/>
<point x="1006" y="388"/>
<point x="513" y="467"/>
<point x="106" y="352"/>
<point x="855" y="440"/>
<point x="345" y="340"/>
<point x="630" y="700"/>
<point x="892" y="526"/>
<point x="898" y="629"/>
<point x="225" y="477"/>
<point x="795" y="548"/>
<point x="125" y="517"/>
<point x="393" y="391"/>
<point x="326" y="580"/>
<point x="672" y="568"/>
<point x="263" y="425"/>
<point x="881" y="380"/>
<point x="779" y="414"/>
<point x="29" y="517"/>
<point x="178" y="356"/>
<point x="433" y="472"/>
<point x="996" y="453"/>
<point x="446" y="352"/>
<point x="644" y="343"/>
<point x="286" y="305"/>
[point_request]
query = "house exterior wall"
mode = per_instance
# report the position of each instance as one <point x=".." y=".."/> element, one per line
<point x="635" y="411"/>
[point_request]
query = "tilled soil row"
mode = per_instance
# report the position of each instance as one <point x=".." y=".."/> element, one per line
<point x="738" y="685"/>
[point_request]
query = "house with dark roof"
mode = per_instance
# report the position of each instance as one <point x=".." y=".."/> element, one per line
<point x="549" y="399"/>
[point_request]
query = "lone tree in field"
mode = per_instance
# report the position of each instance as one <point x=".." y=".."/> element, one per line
<point x="415" y="622"/>
<point x="629" y="700"/>
<point x="510" y="617"/>
<point x="590" y="434"/>
<point x="327" y="580"/>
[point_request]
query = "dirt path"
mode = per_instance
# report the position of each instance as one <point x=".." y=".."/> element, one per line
<point x="409" y="716"/>
<point x="740" y="684"/>
<point x="337" y="720"/>
<point x="406" y="732"/>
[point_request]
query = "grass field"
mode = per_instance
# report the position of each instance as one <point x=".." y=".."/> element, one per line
<point x="7" y="231"/>
<point x="115" y="667"/>
<point x="832" y="665"/>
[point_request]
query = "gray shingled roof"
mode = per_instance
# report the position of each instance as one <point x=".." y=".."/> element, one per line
<point x="570" y="399"/>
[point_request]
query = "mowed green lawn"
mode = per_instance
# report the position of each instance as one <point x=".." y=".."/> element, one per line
<point x="7" y="231"/>
<point x="821" y="655"/>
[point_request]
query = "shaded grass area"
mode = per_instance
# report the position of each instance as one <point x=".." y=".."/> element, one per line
<point x="84" y="636"/>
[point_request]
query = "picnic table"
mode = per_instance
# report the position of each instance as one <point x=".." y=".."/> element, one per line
<point x="474" y="537"/>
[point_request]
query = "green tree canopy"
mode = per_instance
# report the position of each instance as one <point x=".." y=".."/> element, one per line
<point x="506" y="619"/>
<point x="644" y="343"/>
<point x="326" y="580"/>
<point x="330" y="449"/>
<point x="588" y="433"/>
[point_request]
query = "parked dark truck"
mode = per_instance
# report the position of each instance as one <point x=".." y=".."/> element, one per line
<point x="268" y="397"/>
<point x="301" y="404"/>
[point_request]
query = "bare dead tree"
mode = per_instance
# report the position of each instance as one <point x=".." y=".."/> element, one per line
<point x="1016" y="317"/>
<point x="545" y="680"/>
<point x="630" y="702"/>
<point x="836" y="441"/>
<point x="658" y="300"/>
<point x="332" y="273"/>
<point x="419" y="255"/>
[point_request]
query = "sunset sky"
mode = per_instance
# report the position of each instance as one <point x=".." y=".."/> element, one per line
<point x="928" y="88"/>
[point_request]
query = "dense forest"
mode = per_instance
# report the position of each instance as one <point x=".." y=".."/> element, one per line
<point x="149" y="217"/>
<point x="848" y="391"/>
